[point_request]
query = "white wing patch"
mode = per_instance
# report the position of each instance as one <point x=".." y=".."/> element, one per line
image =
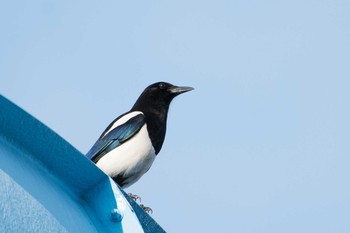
<point x="122" y="120"/>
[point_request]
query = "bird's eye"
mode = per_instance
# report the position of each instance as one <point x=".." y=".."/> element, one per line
<point x="162" y="86"/>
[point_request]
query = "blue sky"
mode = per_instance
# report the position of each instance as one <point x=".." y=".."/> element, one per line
<point x="261" y="145"/>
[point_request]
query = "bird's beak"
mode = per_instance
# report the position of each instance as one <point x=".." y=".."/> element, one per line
<point x="179" y="90"/>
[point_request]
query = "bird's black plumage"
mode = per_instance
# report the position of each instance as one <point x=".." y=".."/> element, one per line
<point x="127" y="147"/>
<point x="154" y="102"/>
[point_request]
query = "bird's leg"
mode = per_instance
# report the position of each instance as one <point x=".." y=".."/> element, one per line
<point x="146" y="209"/>
<point x="134" y="197"/>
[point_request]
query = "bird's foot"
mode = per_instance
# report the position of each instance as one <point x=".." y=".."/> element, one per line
<point x="134" y="197"/>
<point x="146" y="209"/>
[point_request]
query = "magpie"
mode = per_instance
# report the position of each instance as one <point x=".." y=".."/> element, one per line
<point x="128" y="146"/>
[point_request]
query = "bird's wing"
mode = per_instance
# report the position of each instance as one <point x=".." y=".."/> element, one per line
<point x="116" y="137"/>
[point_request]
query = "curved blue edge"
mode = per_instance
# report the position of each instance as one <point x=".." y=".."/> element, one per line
<point x="61" y="158"/>
<point x="82" y="179"/>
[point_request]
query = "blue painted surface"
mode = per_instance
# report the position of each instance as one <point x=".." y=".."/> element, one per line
<point x="45" y="182"/>
<point x="41" y="190"/>
<point x="20" y="212"/>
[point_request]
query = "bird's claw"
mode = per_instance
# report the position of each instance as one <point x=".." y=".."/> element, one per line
<point x="146" y="209"/>
<point x="134" y="197"/>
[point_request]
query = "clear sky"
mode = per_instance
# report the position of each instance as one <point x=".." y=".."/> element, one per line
<point x="261" y="145"/>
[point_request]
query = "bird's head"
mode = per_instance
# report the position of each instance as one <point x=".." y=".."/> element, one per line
<point x="159" y="94"/>
<point x="165" y="90"/>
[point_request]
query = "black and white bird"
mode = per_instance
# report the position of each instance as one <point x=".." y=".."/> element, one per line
<point x="127" y="148"/>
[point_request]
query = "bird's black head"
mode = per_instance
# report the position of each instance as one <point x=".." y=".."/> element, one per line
<point x="154" y="103"/>
<point x="158" y="95"/>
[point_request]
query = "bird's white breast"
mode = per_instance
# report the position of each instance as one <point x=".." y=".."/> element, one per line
<point x="133" y="158"/>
